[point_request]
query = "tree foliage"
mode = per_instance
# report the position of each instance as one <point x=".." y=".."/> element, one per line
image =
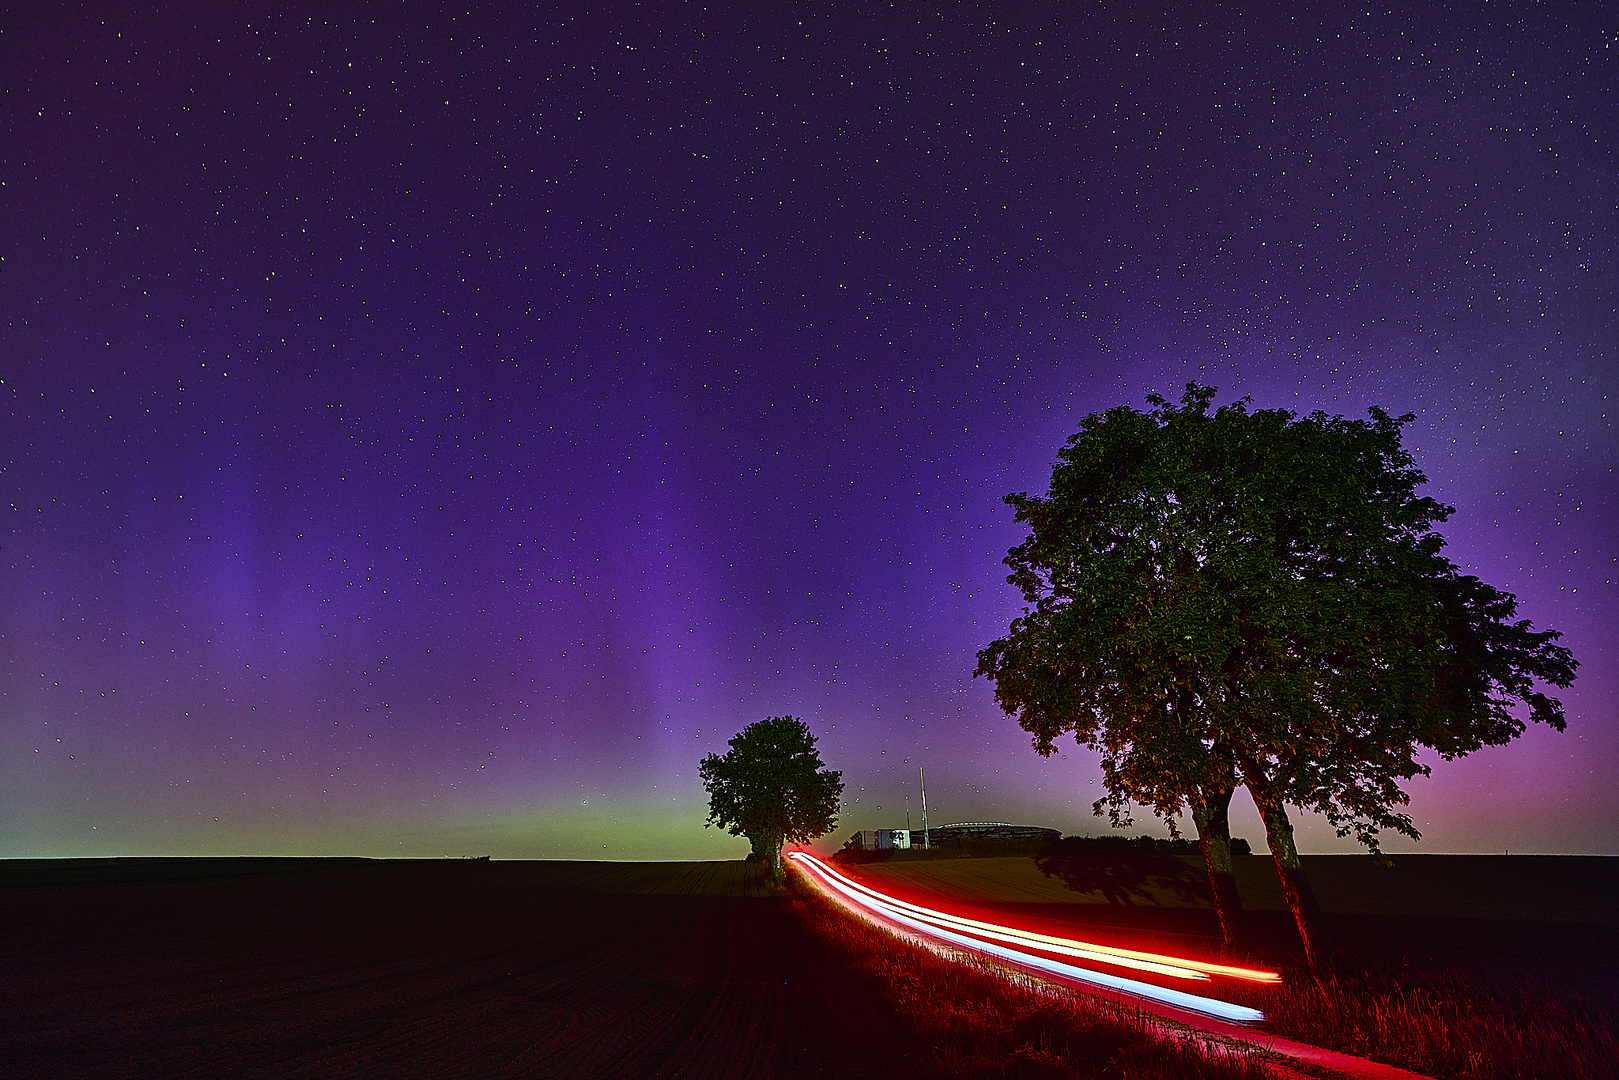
<point x="1231" y="597"/>
<point x="771" y="787"/>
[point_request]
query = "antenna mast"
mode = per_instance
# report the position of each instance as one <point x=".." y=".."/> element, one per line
<point x="923" y="776"/>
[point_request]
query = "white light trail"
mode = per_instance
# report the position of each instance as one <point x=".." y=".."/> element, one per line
<point x="1132" y="958"/>
<point x="934" y="924"/>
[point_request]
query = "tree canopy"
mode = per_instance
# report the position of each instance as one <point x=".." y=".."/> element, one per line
<point x="771" y="787"/>
<point x="1224" y="597"/>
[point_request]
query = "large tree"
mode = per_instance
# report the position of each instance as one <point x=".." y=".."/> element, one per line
<point x="1234" y="598"/>
<point x="770" y="787"/>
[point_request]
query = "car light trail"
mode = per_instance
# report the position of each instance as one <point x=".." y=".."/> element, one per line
<point x="1012" y="935"/>
<point x="934" y="924"/>
<point x="1173" y="966"/>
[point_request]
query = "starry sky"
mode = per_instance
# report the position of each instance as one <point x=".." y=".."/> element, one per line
<point x="429" y="430"/>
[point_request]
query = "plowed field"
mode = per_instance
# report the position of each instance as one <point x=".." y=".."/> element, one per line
<point x="421" y="969"/>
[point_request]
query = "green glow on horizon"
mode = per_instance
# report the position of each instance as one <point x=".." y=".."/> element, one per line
<point x="621" y="830"/>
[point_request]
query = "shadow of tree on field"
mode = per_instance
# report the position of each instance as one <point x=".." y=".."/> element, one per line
<point x="1122" y="871"/>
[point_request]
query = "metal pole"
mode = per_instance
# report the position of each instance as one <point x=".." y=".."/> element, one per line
<point x="926" y="842"/>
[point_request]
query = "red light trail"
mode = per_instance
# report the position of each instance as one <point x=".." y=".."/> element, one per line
<point x="1014" y="946"/>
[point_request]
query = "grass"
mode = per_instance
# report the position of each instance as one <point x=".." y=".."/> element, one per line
<point x="1446" y="1022"/>
<point x="970" y="1023"/>
<point x="1459" y="1021"/>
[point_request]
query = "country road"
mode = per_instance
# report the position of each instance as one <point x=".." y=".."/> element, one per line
<point x="1051" y="961"/>
<point x="430" y="968"/>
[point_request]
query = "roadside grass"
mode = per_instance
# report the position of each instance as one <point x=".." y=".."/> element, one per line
<point x="1445" y="1022"/>
<point x="971" y="1023"/>
<point x="1458" y="1021"/>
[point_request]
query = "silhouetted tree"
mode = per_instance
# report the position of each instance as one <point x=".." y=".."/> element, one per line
<point x="1255" y="599"/>
<point x="771" y="788"/>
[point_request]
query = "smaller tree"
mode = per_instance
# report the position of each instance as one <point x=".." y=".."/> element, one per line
<point x="771" y="788"/>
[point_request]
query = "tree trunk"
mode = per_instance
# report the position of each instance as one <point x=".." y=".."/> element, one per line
<point x="1211" y="814"/>
<point x="772" y="855"/>
<point x="1295" y="886"/>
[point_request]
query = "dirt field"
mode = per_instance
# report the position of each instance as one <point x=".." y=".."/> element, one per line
<point x="1552" y="917"/>
<point x="356" y="968"/>
<point x="293" y="968"/>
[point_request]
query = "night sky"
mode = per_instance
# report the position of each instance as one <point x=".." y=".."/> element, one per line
<point x="430" y="431"/>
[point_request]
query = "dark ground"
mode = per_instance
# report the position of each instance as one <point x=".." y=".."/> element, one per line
<point x="451" y="968"/>
<point x="1553" y="919"/>
<point x="351" y="968"/>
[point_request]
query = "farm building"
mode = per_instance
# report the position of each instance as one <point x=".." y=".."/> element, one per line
<point x="947" y="836"/>
<point x="883" y="839"/>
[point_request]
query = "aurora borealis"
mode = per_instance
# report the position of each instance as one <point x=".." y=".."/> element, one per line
<point x="430" y="432"/>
